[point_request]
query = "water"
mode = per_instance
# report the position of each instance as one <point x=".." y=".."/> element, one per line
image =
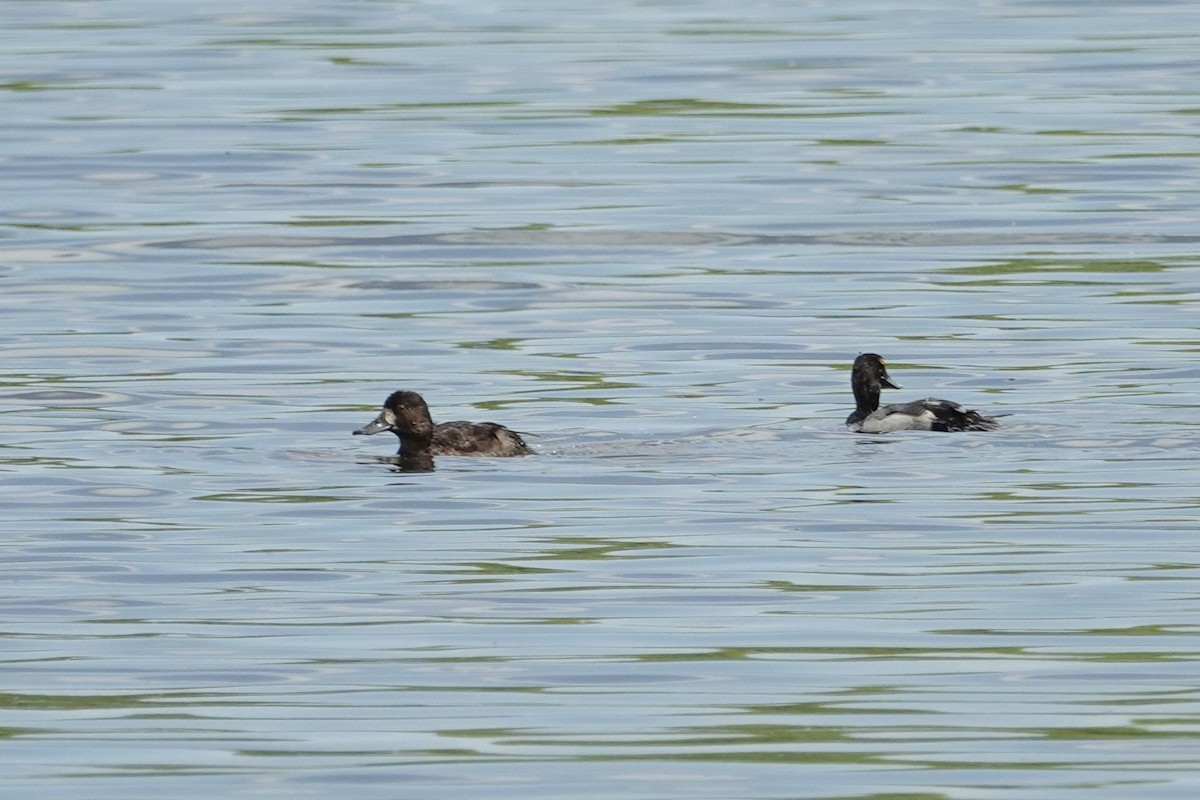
<point x="653" y="235"/>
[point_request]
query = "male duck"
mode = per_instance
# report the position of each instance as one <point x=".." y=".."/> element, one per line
<point x="931" y="414"/>
<point x="406" y="415"/>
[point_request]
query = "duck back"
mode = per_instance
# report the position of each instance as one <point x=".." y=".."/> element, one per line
<point x="477" y="439"/>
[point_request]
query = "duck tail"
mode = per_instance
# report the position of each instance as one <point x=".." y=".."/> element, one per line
<point x="958" y="418"/>
<point x="978" y="422"/>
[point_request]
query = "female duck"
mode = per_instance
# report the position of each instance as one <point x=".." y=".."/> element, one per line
<point x="931" y="414"/>
<point x="406" y="415"/>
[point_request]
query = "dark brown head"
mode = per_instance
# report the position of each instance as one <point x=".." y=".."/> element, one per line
<point x="406" y="415"/>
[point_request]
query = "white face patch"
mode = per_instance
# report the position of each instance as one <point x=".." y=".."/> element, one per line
<point x="389" y="417"/>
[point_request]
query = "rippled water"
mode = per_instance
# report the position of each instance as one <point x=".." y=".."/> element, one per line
<point x="653" y="236"/>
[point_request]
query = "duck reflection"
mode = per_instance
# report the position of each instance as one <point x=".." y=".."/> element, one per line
<point x="412" y="462"/>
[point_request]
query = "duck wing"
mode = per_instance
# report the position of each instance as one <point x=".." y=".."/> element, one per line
<point x="461" y="438"/>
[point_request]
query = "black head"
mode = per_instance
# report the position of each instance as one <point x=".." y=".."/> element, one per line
<point x="868" y="377"/>
<point x="871" y="368"/>
<point x="404" y="414"/>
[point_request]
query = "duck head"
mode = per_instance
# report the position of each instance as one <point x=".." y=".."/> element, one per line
<point x="404" y="414"/>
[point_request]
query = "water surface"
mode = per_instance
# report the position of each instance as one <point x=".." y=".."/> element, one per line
<point x="653" y="236"/>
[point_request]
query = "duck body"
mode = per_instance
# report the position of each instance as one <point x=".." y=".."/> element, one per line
<point x="407" y="415"/>
<point x="461" y="438"/>
<point x="930" y="414"/>
<point x="869" y="376"/>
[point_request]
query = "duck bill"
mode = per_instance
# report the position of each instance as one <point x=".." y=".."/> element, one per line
<point x="889" y="383"/>
<point x="374" y="426"/>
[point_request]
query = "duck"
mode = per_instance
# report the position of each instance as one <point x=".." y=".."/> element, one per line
<point x="869" y="375"/>
<point x="406" y="414"/>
